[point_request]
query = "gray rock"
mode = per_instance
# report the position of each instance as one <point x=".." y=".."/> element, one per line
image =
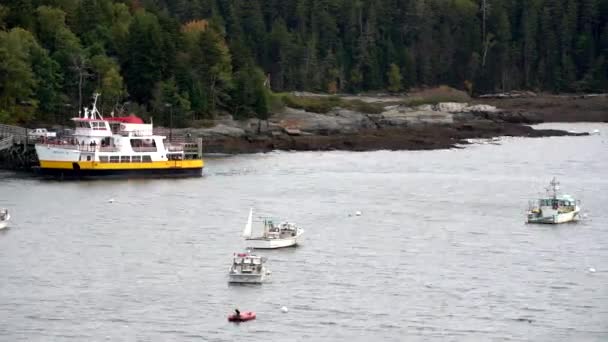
<point x="482" y="108"/>
<point x="220" y="130"/>
<point x="451" y="107"/>
<point x="336" y="121"/>
<point x="406" y="116"/>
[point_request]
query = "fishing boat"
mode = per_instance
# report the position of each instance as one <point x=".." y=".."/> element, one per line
<point x="5" y="217"/>
<point x="554" y="207"/>
<point x="284" y="234"/>
<point x="248" y="268"/>
<point x="117" y="147"/>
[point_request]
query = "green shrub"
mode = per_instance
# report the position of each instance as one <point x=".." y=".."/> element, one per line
<point x="324" y="104"/>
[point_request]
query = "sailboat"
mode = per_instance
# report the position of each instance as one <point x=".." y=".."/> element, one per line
<point x="284" y="234"/>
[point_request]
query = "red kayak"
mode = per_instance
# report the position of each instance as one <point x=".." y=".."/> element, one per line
<point x="244" y="316"/>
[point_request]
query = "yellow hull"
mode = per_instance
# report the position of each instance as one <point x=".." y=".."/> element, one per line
<point x="89" y="165"/>
<point x="93" y="170"/>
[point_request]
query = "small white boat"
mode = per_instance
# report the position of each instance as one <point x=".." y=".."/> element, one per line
<point x="285" y="234"/>
<point x="554" y="208"/>
<point x="248" y="268"/>
<point x="4" y="218"/>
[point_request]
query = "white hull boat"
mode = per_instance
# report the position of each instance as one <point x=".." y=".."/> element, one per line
<point x="555" y="218"/>
<point x="261" y="243"/>
<point x="554" y="208"/>
<point x="285" y="234"/>
<point x="247" y="278"/>
<point x="5" y="217"/>
<point x="248" y="269"/>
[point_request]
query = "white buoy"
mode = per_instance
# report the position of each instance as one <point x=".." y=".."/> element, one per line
<point x="284" y="309"/>
<point x="111" y="200"/>
<point x="591" y="269"/>
<point x="358" y="213"/>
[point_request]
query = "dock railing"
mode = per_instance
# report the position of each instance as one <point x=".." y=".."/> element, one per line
<point x="18" y="134"/>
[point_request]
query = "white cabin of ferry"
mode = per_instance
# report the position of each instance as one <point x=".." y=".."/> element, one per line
<point x="114" y="140"/>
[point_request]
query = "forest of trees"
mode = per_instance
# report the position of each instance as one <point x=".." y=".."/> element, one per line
<point x="197" y="58"/>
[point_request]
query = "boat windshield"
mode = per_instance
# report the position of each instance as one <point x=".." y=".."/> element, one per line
<point x="552" y="202"/>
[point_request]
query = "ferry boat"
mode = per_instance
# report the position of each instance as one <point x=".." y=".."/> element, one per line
<point x="4" y="218"/>
<point x="554" y="208"/>
<point x="248" y="268"/>
<point x="284" y="234"/>
<point x="117" y="147"/>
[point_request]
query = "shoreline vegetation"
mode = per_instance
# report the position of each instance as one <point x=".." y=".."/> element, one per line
<point x="231" y="70"/>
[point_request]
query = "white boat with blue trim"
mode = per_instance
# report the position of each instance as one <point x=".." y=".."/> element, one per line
<point x="554" y="207"/>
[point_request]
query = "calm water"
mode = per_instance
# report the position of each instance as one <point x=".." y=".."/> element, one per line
<point x="441" y="252"/>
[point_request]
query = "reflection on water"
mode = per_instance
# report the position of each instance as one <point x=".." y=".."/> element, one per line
<point x="440" y="252"/>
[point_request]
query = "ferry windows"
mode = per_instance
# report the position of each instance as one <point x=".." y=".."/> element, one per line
<point x="114" y="159"/>
<point x="174" y="156"/>
<point x="115" y="127"/>
<point x="103" y="159"/>
<point x="88" y="158"/>
<point x="98" y="125"/>
<point x="135" y="159"/>
<point x="105" y="142"/>
<point x="125" y="159"/>
<point x="143" y="145"/>
<point x="146" y="159"/>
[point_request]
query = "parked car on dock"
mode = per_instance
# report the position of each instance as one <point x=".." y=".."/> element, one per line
<point x="41" y="133"/>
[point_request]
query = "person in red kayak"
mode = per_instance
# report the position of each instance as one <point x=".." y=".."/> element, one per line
<point x="237" y="314"/>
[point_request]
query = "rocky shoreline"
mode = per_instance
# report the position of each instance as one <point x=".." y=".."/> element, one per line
<point x="396" y="127"/>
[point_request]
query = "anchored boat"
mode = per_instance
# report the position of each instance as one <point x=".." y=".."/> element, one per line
<point x="118" y="147"/>
<point x="554" y="208"/>
<point x="4" y="218"/>
<point x="248" y="268"/>
<point x="280" y="235"/>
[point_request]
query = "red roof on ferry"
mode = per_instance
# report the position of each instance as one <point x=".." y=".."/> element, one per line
<point x="132" y="119"/>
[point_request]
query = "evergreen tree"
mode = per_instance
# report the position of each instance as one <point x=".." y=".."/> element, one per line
<point x="216" y="55"/>
<point x="394" y="78"/>
<point x="143" y="66"/>
<point x="212" y="65"/>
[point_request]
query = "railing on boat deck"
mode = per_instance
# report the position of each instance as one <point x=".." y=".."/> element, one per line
<point x="186" y="147"/>
<point x="84" y="148"/>
<point x="144" y="149"/>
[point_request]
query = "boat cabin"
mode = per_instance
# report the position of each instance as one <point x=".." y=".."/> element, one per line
<point x="282" y="230"/>
<point x="563" y="203"/>
<point x="247" y="263"/>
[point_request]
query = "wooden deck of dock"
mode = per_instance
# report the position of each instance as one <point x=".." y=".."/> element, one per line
<point x="17" y="151"/>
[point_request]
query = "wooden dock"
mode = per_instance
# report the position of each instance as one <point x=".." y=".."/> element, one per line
<point x="17" y="152"/>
